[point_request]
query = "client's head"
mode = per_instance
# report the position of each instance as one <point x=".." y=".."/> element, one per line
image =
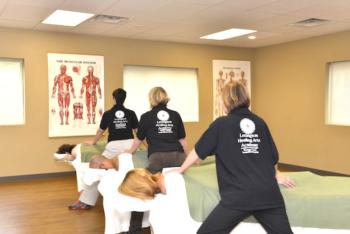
<point x="65" y="149"/>
<point x="140" y="183"/>
<point x="158" y="96"/>
<point x="101" y="162"/>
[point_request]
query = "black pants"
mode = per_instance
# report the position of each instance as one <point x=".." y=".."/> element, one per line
<point x="222" y="220"/>
<point x="159" y="160"/>
<point x="136" y="223"/>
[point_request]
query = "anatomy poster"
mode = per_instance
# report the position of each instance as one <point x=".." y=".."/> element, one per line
<point x="76" y="88"/>
<point x="223" y="72"/>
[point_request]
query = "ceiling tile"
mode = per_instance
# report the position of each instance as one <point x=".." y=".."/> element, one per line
<point x="285" y="6"/>
<point x="24" y="12"/>
<point x="38" y="3"/>
<point x="88" y="6"/>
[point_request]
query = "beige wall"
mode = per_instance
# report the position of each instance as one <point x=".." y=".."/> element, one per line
<point x="27" y="149"/>
<point x="289" y="90"/>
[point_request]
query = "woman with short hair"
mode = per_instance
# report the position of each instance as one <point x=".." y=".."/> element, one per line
<point x="164" y="132"/>
<point x="246" y="159"/>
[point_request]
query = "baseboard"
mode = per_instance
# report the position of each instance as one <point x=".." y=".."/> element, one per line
<point x="6" y="179"/>
<point x="313" y="170"/>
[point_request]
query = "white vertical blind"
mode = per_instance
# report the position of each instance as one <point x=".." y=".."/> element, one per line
<point x="11" y="92"/>
<point x="180" y="84"/>
<point x="338" y="104"/>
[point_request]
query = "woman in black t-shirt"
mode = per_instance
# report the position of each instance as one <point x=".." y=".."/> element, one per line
<point x="246" y="159"/>
<point x="164" y="132"/>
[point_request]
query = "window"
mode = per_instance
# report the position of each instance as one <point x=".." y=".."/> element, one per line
<point x="179" y="83"/>
<point x="11" y="92"/>
<point x="338" y="96"/>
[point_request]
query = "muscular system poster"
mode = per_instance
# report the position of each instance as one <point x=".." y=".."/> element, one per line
<point x="223" y="72"/>
<point x="76" y="91"/>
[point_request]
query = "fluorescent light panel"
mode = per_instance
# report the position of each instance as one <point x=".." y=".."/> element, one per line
<point x="230" y="33"/>
<point x="67" y="18"/>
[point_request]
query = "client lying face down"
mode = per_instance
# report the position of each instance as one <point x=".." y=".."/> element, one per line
<point x="101" y="162"/>
<point x="142" y="184"/>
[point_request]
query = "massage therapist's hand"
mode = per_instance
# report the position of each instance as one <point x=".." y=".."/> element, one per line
<point x="89" y="142"/>
<point x="285" y="180"/>
<point x="128" y="151"/>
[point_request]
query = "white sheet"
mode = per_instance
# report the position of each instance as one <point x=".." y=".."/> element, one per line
<point x="169" y="213"/>
<point x="117" y="219"/>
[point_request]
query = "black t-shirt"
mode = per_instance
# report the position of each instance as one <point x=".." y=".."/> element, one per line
<point x="162" y="129"/>
<point x="245" y="158"/>
<point x="120" y="123"/>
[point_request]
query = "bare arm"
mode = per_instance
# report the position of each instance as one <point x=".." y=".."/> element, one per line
<point x="191" y="159"/>
<point x="135" y="144"/>
<point x="183" y="142"/>
<point x="98" y="136"/>
<point x="284" y="180"/>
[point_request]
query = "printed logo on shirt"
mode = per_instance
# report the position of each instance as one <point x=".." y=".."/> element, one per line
<point x="163" y="115"/>
<point x="120" y="121"/>
<point x="164" y="125"/>
<point x="119" y="114"/>
<point x="248" y="139"/>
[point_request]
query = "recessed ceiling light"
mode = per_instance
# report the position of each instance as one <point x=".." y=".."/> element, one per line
<point x="67" y="18"/>
<point x="252" y="37"/>
<point x="230" y="33"/>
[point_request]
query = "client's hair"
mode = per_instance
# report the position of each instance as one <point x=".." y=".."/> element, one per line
<point x="140" y="183"/>
<point x="65" y="148"/>
<point x="96" y="161"/>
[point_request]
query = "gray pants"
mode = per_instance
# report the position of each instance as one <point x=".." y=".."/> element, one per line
<point x="160" y="160"/>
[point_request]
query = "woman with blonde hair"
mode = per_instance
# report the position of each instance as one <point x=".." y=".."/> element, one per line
<point x="168" y="209"/>
<point x="246" y="159"/>
<point x="164" y="132"/>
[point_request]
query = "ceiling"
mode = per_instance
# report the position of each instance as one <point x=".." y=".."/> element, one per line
<point x="187" y="20"/>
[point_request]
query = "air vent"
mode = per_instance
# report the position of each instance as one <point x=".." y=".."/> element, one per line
<point x="311" y="22"/>
<point x="110" y="19"/>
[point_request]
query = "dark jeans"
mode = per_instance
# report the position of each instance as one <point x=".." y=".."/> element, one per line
<point x="160" y="160"/>
<point x="222" y="220"/>
<point x="157" y="161"/>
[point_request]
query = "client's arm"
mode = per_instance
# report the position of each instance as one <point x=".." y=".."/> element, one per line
<point x="284" y="180"/>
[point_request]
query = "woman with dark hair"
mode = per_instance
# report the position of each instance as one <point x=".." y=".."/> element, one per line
<point x="121" y="124"/>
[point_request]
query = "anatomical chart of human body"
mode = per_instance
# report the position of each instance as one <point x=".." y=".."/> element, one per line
<point x="76" y="88"/>
<point x="223" y="72"/>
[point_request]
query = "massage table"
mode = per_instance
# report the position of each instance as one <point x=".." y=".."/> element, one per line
<point x="318" y="205"/>
<point x="115" y="222"/>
